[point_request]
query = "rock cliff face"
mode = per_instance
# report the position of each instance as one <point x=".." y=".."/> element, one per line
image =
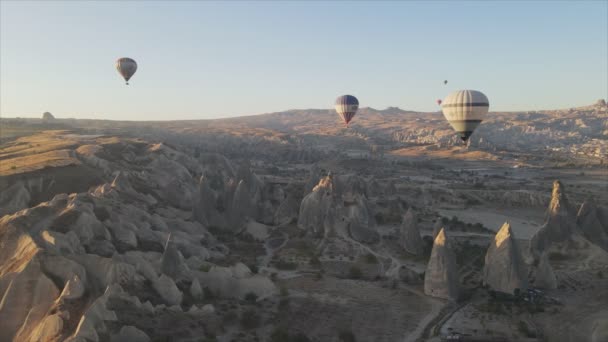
<point x="504" y="269"/>
<point x="560" y="222"/>
<point x="68" y="264"/>
<point x="339" y="205"/>
<point x="410" y="238"/>
<point x="441" y="277"/>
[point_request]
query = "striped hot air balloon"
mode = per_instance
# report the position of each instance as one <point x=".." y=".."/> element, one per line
<point x="346" y="106"/>
<point x="439" y="102"/>
<point x="126" y="68"/>
<point x="464" y="110"/>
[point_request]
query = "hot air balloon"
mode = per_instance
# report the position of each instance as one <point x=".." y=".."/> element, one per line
<point x="439" y="102"/>
<point x="347" y="106"/>
<point x="126" y="67"/>
<point x="445" y="82"/>
<point x="464" y="110"/>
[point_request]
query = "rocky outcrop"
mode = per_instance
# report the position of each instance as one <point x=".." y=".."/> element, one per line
<point x="172" y="262"/>
<point x="93" y="322"/>
<point x="196" y="290"/>
<point x="441" y="277"/>
<point x="560" y="222"/>
<point x="545" y="277"/>
<point x="167" y="290"/>
<point x="47" y="116"/>
<point x="504" y="269"/>
<point x="588" y="220"/>
<point x="287" y="210"/>
<point x="241" y="207"/>
<point x="409" y="236"/>
<point x="27" y="295"/>
<point x="339" y="206"/>
<point x="236" y="281"/>
<point x="129" y="333"/>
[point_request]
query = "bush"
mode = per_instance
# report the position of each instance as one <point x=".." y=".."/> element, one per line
<point x="286" y="265"/>
<point x="525" y="329"/>
<point x="230" y="317"/>
<point x="355" y="273"/>
<point x="299" y="337"/>
<point x="279" y="335"/>
<point x="251" y="297"/>
<point x="315" y="262"/>
<point x="208" y="294"/>
<point x="347" y="336"/>
<point x="370" y="258"/>
<point x="250" y="319"/>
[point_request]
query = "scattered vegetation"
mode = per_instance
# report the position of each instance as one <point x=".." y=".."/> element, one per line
<point x="355" y="273"/>
<point x="557" y="256"/>
<point x="525" y="329"/>
<point x="209" y="295"/>
<point x="314" y="261"/>
<point x="279" y="335"/>
<point x="286" y="265"/>
<point x="370" y="258"/>
<point x="251" y="297"/>
<point x="250" y="319"/>
<point x="346" y="336"/>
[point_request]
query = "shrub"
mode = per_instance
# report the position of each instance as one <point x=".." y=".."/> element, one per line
<point x="279" y="335"/>
<point x="208" y="294"/>
<point x="230" y="317"/>
<point x="299" y="337"/>
<point x="314" y="261"/>
<point x="250" y="319"/>
<point x="347" y="336"/>
<point x="251" y="297"/>
<point x="355" y="273"/>
<point x="525" y="329"/>
<point x="286" y="265"/>
<point x="370" y="258"/>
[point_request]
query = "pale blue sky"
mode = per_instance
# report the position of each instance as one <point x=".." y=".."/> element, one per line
<point x="210" y="59"/>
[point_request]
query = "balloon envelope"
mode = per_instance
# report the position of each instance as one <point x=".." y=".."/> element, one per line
<point x="439" y="102"/>
<point x="346" y="107"/>
<point x="445" y="82"/>
<point x="464" y="110"/>
<point x="126" y="68"/>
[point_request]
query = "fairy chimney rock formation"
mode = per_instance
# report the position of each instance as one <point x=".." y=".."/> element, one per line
<point x="504" y="269"/>
<point x="410" y="238"/>
<point x="441" y="277"/>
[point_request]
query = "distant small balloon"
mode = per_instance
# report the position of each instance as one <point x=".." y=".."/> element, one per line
<point x="126" y="67"/>
<point x="346" y="107"/>
<point x="445" y="82"/>
<point x="439" y="102"/>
